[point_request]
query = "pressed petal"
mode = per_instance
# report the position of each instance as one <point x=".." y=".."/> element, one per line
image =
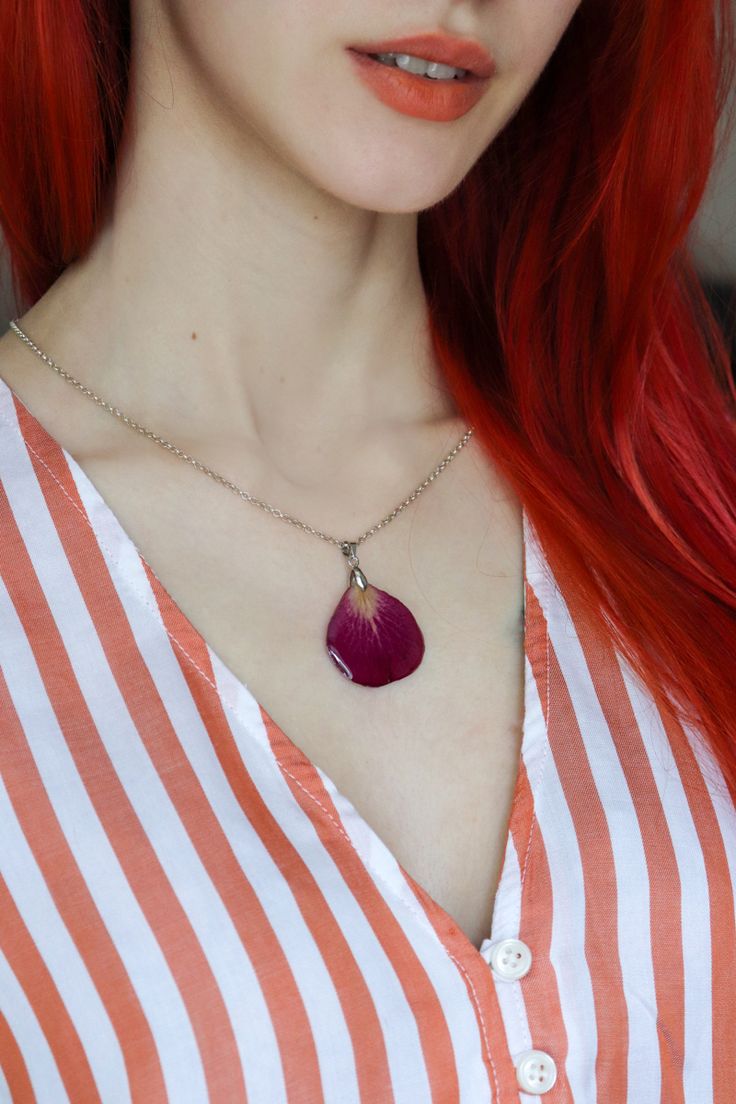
<point x="373" y="638"/>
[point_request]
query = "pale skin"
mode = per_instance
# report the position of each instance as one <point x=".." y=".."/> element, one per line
<point x="253" y="294"/>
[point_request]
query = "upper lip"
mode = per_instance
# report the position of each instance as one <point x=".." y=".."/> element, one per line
<point x="462" y="53"/>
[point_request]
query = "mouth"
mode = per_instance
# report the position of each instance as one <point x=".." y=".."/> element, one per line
<point x="466" y="55"/>
<point x="419" y="87"/>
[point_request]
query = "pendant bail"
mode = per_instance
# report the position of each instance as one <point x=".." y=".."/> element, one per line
<point x="357" y="578"/>
<point x="349" y="549"/>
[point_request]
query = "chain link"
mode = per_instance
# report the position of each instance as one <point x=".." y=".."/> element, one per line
<point x="344" y="545"/>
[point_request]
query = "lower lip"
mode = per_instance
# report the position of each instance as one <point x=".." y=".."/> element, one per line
<point x="424" y="98"/>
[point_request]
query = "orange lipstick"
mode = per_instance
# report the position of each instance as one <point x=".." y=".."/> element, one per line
<point x="420" y="96"/>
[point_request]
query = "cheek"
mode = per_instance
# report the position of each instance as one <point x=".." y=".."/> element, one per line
<point x="527" y="34"/>
<point x="244" y="55"/>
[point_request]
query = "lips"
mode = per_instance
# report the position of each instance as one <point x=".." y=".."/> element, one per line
<point x="461" y="53"/>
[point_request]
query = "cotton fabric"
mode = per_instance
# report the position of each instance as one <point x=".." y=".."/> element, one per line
<point x="191" y="912"/>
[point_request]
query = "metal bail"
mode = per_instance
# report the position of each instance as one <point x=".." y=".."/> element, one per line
<point x="357" y="578"/>
<point x="349" y="550"/>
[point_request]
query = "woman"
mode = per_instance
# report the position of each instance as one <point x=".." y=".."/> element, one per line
<point x="448" y="817"/>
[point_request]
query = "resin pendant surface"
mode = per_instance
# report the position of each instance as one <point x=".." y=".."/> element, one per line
<point x="372" y="637"/>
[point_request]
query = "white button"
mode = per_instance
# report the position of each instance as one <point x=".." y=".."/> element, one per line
<point x="536" y="1072"/>
<point x="509" y="958"/>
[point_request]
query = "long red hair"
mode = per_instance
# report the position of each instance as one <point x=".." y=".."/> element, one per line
<point x="571" y="325"/>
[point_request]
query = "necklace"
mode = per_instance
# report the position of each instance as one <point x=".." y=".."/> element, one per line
<point x="372" y="637"/>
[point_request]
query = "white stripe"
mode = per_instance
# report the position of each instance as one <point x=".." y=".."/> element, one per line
<point x="60" y="955"/>
<point x="694" y="896"/>
<point x="629" y="858"/>
<point x="4" y="1089"/>
<point x="726" y="816"/>
<point x="31" y="1041"/>
<point x="99" y="865"/>
<point x="723" y="804"/>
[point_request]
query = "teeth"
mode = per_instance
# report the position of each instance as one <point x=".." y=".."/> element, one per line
<point x="421" y="66"/>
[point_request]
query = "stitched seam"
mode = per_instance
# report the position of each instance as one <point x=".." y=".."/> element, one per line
<point x="518" y="1000"/>
<point x="340" y="828"/>
<point x="227" y="706"/>
<point x="540" y="776"/>
<point x="482" y="1020"/>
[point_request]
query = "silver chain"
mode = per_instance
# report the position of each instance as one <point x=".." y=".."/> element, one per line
<point x="342" y="544"/>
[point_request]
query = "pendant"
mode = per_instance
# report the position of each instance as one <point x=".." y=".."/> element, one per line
<point x="372" y="637"/>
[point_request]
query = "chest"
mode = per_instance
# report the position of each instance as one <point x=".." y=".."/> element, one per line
<point x="429" y="762"/>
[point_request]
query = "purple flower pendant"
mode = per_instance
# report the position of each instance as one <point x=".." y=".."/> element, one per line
<point x="372" y="637"/>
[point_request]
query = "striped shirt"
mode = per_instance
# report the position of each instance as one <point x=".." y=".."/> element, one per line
<point x="191" y="912"/>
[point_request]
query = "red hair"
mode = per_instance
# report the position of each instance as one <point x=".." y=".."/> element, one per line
<point x="566" y="312"/>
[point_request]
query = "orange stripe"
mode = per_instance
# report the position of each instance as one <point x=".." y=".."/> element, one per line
<point x="34" y="978"/>
<point x="162" y="908"/>
<point x="722" y="919"/>
<point x="665" y="889"/>
<point x="536" y="633"/>
<point x="14" y="1067"/>
<point x="599" y="879"/>
<point x="69" y="891"/>
<point x="296" y="1041"/>
<point x="435" y="1038"/>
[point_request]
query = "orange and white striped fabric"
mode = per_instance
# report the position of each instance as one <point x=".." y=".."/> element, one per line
<point x="190" y="912"/>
